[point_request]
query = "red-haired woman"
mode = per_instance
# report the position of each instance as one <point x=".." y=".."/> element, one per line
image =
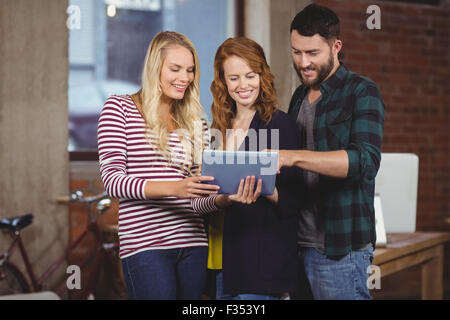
<point x="258" y="253"/>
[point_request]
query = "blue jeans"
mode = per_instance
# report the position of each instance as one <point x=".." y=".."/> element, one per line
<point x="220" y="295"/>
<point x="249" y="296"/>
<point x="167" y="274"/>
<point x="336" y="278"/>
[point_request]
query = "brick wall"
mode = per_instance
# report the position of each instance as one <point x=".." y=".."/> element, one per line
<point x="85" y="176"/>
<point x="409" y="60"/>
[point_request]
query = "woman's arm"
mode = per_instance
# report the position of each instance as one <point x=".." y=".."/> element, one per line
<point x="113" y="164"/>
<point x="246" y="194"/>
<point x="111" y="137"/>
<point x="191" y="187"/>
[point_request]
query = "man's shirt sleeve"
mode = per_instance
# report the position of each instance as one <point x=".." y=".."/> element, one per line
<point x="364" y="151"/>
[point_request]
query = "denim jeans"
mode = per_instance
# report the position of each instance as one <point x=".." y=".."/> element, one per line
<point x="334" y="278"/>
<point x="251" y="296"/>
<point x="220" y="295"/>
<point x="167" y="274"/>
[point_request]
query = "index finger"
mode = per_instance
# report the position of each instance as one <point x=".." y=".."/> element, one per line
<point x="204" y="178"/>
<point x="240" y="188"/>
<point x="204" y="186"/>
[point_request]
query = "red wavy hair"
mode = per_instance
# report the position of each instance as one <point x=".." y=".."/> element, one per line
<point x="224" y="107"/>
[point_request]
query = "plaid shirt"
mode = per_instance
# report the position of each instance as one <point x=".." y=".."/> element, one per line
<point x="349" y="117"/>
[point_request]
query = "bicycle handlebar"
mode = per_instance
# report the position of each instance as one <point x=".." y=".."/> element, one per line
<point x="78" y="196"/>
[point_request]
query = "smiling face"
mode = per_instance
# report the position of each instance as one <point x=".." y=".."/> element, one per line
<point x="177" y="72"/>
<point x="314" y="58"/>
<point x="243" y="83"/>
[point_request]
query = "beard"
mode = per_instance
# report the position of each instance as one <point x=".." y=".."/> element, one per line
<point x="322" y="72"/>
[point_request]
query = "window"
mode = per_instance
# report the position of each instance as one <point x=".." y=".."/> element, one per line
<point x="107" y="47"/>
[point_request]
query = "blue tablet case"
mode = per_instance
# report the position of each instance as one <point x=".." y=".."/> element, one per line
<point x="229" y="167"/>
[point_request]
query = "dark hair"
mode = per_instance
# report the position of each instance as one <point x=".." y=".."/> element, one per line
<point x="315" y="19"/>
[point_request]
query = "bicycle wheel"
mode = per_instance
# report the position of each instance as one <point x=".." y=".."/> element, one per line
<point x="12" y="280"/>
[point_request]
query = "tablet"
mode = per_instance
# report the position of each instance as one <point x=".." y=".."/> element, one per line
<point x="229" y="167"/>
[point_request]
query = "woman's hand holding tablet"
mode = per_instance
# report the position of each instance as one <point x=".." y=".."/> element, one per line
<point x="246" y="193"/>
<point x="192" y="187"/>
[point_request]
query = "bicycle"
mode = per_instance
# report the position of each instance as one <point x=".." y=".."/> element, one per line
<point x="102" y="258"/>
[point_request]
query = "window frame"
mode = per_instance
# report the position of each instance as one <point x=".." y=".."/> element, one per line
<point x="92" y="155"/>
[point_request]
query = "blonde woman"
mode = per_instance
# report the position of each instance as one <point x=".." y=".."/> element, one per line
<point x="149" y="147"/>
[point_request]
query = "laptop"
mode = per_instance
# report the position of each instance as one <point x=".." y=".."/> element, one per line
<point x="396" y="193"/>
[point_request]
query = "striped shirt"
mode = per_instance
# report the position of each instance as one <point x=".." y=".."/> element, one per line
<point x="128" y="158"/>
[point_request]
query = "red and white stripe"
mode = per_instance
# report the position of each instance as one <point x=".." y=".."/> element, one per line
<point x="127" y="161"/>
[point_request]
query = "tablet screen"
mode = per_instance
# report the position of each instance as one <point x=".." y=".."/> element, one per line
<point x="229" y="167"/>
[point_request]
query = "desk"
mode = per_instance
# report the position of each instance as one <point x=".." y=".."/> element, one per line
<point x="419" y="248"/>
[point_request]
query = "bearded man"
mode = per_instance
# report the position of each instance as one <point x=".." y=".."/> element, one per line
<point x="340" y="115"/>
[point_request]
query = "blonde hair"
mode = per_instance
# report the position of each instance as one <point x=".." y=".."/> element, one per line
<point x="186" y="112"/>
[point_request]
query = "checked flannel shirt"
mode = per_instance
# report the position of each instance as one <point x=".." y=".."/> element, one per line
<point x="349" y="117"/>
